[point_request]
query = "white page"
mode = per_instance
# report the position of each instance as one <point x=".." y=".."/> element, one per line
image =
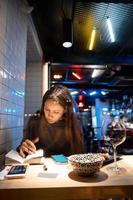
<point x="14" y="155"/>
<point x="38" y="153"/>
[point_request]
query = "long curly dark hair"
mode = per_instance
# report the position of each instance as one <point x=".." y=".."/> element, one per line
<point x="73" y="130"/>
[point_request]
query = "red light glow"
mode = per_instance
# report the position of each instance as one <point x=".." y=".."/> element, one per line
<point x="80" y="97"/>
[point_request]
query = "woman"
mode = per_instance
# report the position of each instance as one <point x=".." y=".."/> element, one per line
<point x="57" y="129"/>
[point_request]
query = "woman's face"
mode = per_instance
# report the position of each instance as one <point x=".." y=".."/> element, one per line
<point x="53" y="111"/>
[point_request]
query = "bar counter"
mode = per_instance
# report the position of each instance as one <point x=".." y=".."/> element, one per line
<point x="60" y="182"/>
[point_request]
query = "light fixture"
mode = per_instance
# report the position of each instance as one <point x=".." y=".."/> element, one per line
<point x="97" y="72"/>
<point x="74" y="92"/>
<point x="105" y="109"/>
<point x="93" y="35"/>
<point x="110" y="29"/>
<point x="57" y="76"/>
<point x="67" y="33"/>
<point x="92" y="93"/>
<point x="84" y="92"/>
<point x="104" y="92"/>
<point x="85" y="109"/>
<point x="76" y="75"/>
<point x="80" y="104"/>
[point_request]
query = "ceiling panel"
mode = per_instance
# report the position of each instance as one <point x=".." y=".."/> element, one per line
<point x="48" y="17"/>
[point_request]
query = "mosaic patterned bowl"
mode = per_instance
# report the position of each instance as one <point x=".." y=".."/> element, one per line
<point x="86" y="164"/>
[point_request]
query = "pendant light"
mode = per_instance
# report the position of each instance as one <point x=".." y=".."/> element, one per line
<point x="67" y="33"/>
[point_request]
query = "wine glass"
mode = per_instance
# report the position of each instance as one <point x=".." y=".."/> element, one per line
<point x="116" y="135"/>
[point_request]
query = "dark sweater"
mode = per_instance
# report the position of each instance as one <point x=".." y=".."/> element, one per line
<point x="52" y="137"/>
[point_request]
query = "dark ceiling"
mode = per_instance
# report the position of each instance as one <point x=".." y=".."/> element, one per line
<point x="114" y="58"/>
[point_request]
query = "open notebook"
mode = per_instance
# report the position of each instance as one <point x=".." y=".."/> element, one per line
<point x="13" y="157"/>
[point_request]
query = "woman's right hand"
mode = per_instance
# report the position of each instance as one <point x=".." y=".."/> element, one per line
<point x="28" y="147"/>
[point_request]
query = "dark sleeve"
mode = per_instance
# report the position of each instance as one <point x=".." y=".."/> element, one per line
<point x="31" y="130"/>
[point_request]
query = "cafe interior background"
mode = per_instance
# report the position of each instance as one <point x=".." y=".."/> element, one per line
<point x="98" y="70"/>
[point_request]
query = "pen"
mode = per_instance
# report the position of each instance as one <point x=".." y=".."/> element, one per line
<point x="44" y="167"/>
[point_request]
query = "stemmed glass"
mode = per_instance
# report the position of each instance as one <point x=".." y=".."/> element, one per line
<point x="116" y="135"/>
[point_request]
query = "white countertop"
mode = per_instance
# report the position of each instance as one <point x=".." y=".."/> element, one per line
<point x="60" y="180"/>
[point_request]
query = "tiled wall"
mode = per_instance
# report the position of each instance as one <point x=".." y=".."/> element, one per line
<point x="13" y="37"/>
<point x="33" y="91"/>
